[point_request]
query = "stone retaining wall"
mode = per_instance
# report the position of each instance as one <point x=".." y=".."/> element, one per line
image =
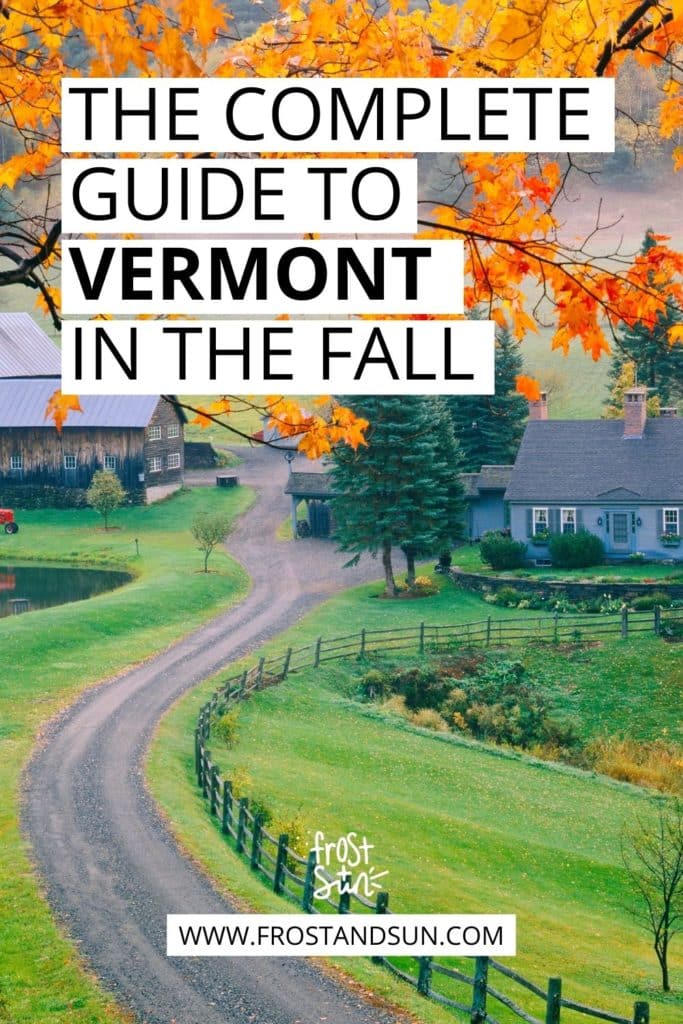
<point x="574" y="591"/>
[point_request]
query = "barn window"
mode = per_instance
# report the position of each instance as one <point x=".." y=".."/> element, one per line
<point x="174" y="460"/>
<point x="154" y="433"/>
<point x="671" y="520"/>
<point x="155" y="464"/>
<point x="568" y="520"/>
<point x="173" y="430"/>
<point x="110" y="463"/>
<point x="70" y="462"/>
<point x="16" y="462"/>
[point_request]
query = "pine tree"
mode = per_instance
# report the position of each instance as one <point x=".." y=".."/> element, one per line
<point x="658" y="365"/>
<point x="488" y="428"/>
<point x="402" y="490"/>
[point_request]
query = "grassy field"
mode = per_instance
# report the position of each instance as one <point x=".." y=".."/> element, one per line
<point x="459" y="827"/>
<point x="48" y="657"/>
<point x="577" y="386"/>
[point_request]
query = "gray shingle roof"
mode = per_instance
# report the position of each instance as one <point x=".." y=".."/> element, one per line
<point x="25" y="350"/>
<point x="23" y="402"/>
<point x="489" y="478"/>
<point x="310" y="485"/>
<point x="590" y="460"/>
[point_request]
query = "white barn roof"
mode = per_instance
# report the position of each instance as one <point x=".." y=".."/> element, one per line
<point x="25" y="350"/>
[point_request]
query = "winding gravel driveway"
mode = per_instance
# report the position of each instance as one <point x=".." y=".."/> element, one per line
<point x="111" y="868"/>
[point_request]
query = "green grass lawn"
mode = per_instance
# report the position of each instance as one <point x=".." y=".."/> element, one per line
<point x="47" y="658"/>
<point x="459" y="827"/>
<point x="468" y="558"/>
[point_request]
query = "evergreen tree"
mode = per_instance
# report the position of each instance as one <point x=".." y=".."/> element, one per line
<point x="403" y="488"/>
<point x="489" y="427"/>
<point x="658" y="365"/>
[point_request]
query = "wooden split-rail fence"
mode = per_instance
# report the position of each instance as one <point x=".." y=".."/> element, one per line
<point x="294" y="877"/>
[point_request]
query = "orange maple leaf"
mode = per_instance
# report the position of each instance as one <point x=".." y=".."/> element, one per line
<point x="59" y="406"/>
<point x="528" y="386"/>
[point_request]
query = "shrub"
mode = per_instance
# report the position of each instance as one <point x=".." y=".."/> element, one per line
<point x="423" y="585"/>
<point x="502" y="552"/>
<point x="298" y="833"/>
<point x="427" y="718"/>
<point x="225" y="726"/>
<point x="374" y="685"/>
<point x="576" y="550"/>
<point x="30" y="496"/>
<point x="508" y="597"/>
<point x="644" y="603"/>
<point x="396" y="705"/>
<point x="241" y="781"/>
<point x="672" y="629"/>
<point x="658" y="763"/>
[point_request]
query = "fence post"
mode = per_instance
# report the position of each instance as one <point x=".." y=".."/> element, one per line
<point x="641" y="1013"/>
<point x="256" y="842"/>
<point x="344" y="906"/>
<point x="243" y="683"/>
<point x="422" y="638"/>
<point x="285" y="667"/>
<point x="309" y="887"/>
<point x="424" y="975"/>
<point x="198" y="755"/>
<point x="381" y="907"/>
<point x="213" y="790"/>
<point x="624" y="622"/>
<point x="241" y="824"/>
<point x="481" y="976"/>
<point x="362" y="643"/>
<point x="658" y="619"/>
<point x="280" y="863"/>
<point x="259" y="673"/>
<point x="318" y="644"/>
<point x="553" y="1001"/>
<point x="556" y="623"/>
<point x="488" y="631"/>
<point x="206" y="769"/>
<point x="226" y="821"/>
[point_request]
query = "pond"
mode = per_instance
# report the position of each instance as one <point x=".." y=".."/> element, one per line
<point x="26" y="588"/>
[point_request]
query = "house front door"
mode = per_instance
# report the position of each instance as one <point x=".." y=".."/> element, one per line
<point x="620" y="532"/>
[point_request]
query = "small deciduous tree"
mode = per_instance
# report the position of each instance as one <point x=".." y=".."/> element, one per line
<point x="653" y="858"/>
<point x="105" y="493"/>
<point x="209" y="529"/>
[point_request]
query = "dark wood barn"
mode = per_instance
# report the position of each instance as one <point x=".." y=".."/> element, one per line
<point x="140" y="438"/>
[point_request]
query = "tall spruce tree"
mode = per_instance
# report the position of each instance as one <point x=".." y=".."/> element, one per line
<point x="658" y="365"/>
<point x="403" y="489"/>
<point x="488" y="428"/>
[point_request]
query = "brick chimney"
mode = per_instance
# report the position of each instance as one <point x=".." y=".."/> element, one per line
<point x="667" y="411"/>
<point x="538" y="410"/>
<point x="635" y="412"/>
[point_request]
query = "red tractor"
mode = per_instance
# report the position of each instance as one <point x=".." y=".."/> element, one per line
<point x="7" y="520"/>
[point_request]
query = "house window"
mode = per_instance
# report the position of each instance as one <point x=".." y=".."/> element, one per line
<point x="110" y="462"/>
<point x="16" y="462"/>
<point x="173" y="430"/>
<point x="174" y="460"/>
<point x="568" y="520"/>
<point x="70" y="462"/>
<point x="671" y="520"/>
<point x="155" y="464"/>
<point x="154" y="433"/>
<point x="540" y="520"/>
